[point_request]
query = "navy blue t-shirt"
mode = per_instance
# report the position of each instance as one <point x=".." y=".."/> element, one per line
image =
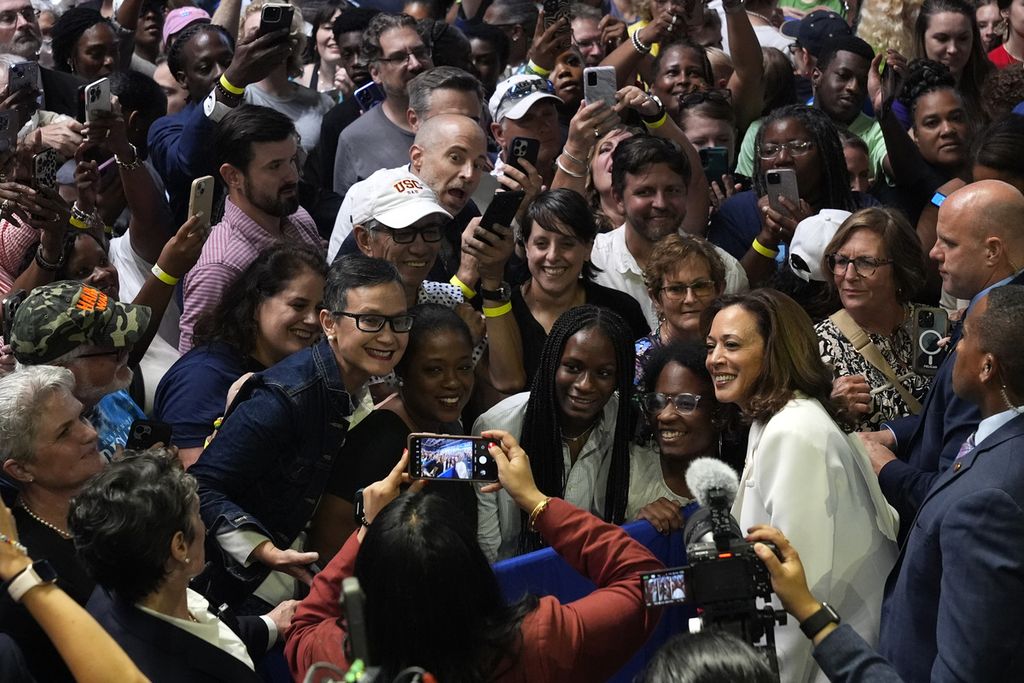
<point x="193" y="392"/>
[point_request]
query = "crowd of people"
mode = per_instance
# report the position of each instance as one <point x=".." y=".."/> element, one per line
<point x="286" y="235"/>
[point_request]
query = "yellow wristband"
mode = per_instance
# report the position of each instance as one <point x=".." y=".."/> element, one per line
<point x="657" y="124"/>
<point x="763" y="250"/>
<point x="539" y="70"/>
<point x="164" y="277"/>
<point x="497" y="311"/>
<point x="233" y="89"/>
<point x="78" y="223"/>
<point x="467" y="291"/>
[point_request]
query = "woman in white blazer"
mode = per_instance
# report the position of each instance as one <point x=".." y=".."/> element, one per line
<point x="802" y="474"/>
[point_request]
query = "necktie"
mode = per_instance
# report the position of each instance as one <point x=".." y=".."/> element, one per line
<point x="964" y="450"/>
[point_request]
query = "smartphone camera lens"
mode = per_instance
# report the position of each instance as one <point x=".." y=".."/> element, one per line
<point x="591" y="78"/>
<point x="272" y="14"/>
<point x="926" y="319"/>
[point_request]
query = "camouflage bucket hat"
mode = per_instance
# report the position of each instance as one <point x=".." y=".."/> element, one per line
<point x="60" y="317"/>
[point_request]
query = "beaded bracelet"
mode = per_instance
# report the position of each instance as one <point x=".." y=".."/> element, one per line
<point x="639" y="45"/>
<point x="4" y="538"/>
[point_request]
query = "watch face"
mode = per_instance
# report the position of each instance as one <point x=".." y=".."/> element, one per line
<point x="45" y="571"/>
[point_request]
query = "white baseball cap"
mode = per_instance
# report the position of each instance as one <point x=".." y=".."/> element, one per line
<point x="396" y="198"/>
<point x="807" y="248"/>
<point x="514" y="96"/>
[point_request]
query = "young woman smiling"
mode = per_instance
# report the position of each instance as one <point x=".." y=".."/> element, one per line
<point x="803" y="474"/>
<point x="267" y="314"/>
<point x="574" y="423"/>
<point x="436" y="382"/>
<point x="558" y="234"/>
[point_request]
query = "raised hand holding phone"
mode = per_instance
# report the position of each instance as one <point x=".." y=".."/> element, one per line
<point x="514" y="473"/>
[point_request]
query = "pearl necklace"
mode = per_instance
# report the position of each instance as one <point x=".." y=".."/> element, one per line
<point x="63" y="534"/>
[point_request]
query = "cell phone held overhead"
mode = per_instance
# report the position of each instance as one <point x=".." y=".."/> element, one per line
<point x="445" y="457"/>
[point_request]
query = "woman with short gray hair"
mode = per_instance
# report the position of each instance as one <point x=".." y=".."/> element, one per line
<point x="49" y="451"/>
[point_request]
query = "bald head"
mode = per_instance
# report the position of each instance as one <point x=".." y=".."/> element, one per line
<point x="979" y="237"/>
<point x="449" y="154"/>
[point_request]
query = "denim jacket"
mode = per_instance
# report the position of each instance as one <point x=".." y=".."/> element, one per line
<point x="271" y="459"/>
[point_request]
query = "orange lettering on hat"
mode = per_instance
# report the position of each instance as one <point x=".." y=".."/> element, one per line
<point x="407" y="184"/>
<point x="91" y="299"/>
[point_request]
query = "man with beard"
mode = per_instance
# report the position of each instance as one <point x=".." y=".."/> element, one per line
<point x="20" y="35"/>
<point x="650" y="177"/>
<point x="257" y="149"/>
<point x="90" y="333"/>
<point x="395" y="54"/>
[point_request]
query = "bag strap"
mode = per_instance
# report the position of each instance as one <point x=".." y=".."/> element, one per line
<point x="860" y="340"/>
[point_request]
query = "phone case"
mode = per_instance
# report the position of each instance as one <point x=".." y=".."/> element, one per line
<point x="599" y="84"/>
<point x="785" y="186"/>
<point x="523" y="148"/>
<point x="443" y="457"/>
<point x="200" y="200"/>
<point x="274" y="17"/>
<point x="930" y="325"/>
<point x="8" y="130"/>
<point x="97" y="98"/>
<point x="23" y="75"/>
<point x="502" y="209"/>
<point x="44" y="169"/>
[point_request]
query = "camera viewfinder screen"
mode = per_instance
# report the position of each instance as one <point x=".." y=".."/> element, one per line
<point x="664" y="588"/>
<point x="456" y="458"/>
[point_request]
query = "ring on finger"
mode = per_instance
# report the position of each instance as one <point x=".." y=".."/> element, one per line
<point x="597" y="133"/>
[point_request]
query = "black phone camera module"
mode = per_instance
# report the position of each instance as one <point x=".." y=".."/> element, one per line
<point x="591" y="78"/>
<point x="926" y="319"/>
<point x="272" y="14"/>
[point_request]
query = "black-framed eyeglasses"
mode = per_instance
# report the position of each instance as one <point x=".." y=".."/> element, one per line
<point x="429" y="233"/>
<point x="524" y="88"/>
<point x="10" y="17"/>
<point x="654" y="402"/>
<point x="421" y="53"/>
<point x="796" y="148"/>
<point x="374" y="322"/>
<point x="716" y="95"/>
<point x="864" y="265"/>
<point x="700" y="288"/>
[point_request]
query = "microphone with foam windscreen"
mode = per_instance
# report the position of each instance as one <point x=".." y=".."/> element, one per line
<point x="714" y="484"/>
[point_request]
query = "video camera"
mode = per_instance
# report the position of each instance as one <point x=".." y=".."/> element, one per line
<point x="724" y="577"/>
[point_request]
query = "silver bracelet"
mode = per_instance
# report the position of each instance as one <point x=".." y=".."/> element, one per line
<point x="639" y="45"/>
<point x="563" y="169"/>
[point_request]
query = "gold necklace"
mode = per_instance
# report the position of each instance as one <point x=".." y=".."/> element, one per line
<point x="573" y="440"/>
<point x="63" y="534"/>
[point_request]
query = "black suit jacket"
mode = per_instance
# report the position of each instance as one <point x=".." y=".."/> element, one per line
<point x="60" y="91"/>
<point x="166" y="653"/>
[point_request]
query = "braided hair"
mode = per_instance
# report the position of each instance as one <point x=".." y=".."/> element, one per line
<point x="175" y="56"/>
<point x="541" y="435"/>
<point x="69" y="28"/>
<point x="925" y="76"/>
<point x="837" y="192"/>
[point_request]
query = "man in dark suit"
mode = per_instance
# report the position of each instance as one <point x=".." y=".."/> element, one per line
<point x="954" y="603"/>
<point x="979" y="246"/>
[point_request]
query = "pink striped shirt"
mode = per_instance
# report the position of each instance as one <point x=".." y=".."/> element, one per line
<point x="234" y="243"/>
<point x="15" y="239"/>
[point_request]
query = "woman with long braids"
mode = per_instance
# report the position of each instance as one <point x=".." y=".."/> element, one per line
<point x="578" y="406"/>
<point x="805" y="140"/>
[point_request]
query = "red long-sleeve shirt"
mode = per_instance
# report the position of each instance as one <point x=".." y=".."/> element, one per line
<point x="586" y="640"/>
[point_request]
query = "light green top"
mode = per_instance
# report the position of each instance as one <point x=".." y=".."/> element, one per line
<point x="864" y="127"/>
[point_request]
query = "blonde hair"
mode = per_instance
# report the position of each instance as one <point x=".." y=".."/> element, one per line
<point x="297" y="35"/>
<point x="889" y="24"/>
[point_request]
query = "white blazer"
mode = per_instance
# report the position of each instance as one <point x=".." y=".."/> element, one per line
<point x="808" y="478"/>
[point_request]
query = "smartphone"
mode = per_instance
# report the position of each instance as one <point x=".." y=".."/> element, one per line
<point x="665" y="587"/>
<point x="502" y="209"/>
<point x="440" y="456"/>
<point x="929" y="326"/>
<point x="274" y="17"/>
<point x="200" y="201"/>
<point x="44" y="169"/>
<point x="781" y="181"/>
<point x="715" y="161"/>
<point x="368" y="96"/>
<point x="523" y="148"/>
<point x="23" y="75"/>
<point x="10" y="306"/>
<point x="97" y="99"/>
<point x="555" y="10"/>
<point x="599" y="84"/>
<point x="145" y="434"/>
<point x="8" y="130"/>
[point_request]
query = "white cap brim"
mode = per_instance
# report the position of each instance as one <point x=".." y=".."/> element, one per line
<point x="519" y="109"/>
<point x="409" y="212"/>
